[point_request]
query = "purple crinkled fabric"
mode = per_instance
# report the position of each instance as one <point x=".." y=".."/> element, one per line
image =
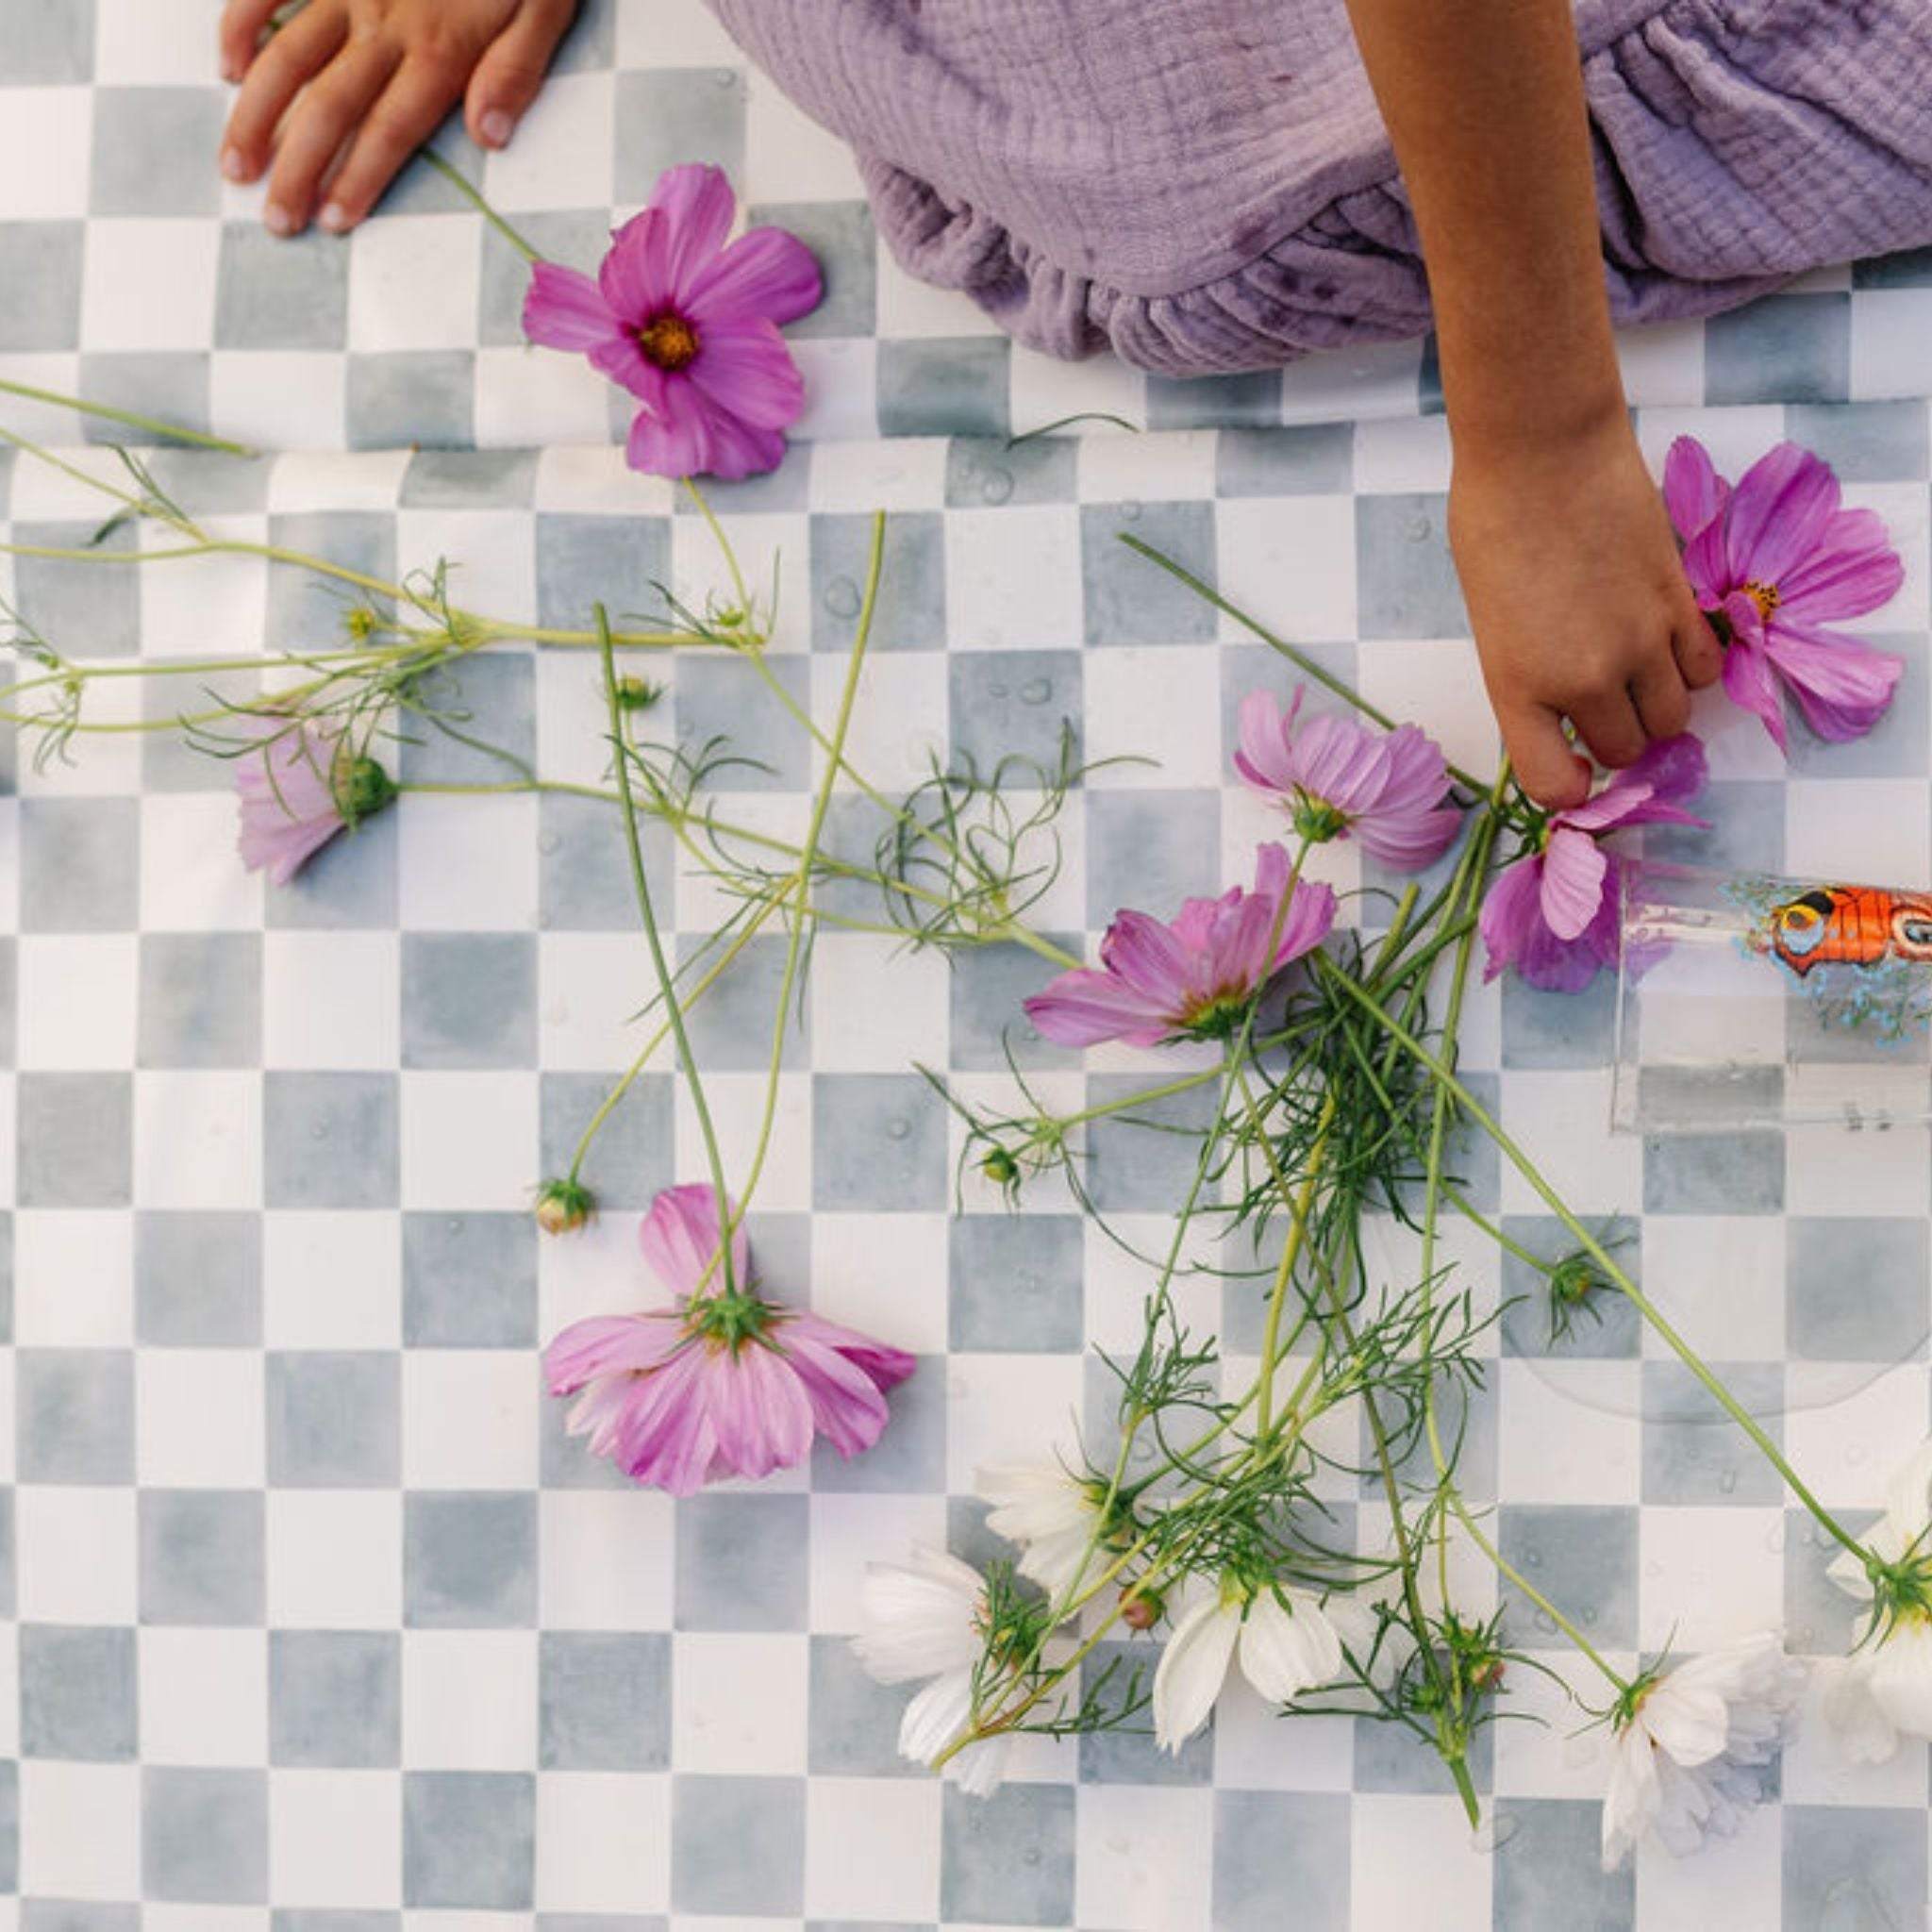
<point x="1205" y="185"/>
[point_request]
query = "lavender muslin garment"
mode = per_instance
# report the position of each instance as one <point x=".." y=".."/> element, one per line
<point x="1205" y="185"/>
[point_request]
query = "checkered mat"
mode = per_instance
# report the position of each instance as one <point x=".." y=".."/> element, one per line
<point x="133" y="274"/>
<point x="320" y="1624"/>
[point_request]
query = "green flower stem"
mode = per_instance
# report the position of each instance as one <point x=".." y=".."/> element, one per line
<point x="667" y="986"/>
<point x="1299" y="1207"/>
<point x="170" y="431"/>
<point x="454" y="176"/>
<point x="1473" y="1108"/>
<point x="801" y="880"/>
<point x="1302" y="662"/>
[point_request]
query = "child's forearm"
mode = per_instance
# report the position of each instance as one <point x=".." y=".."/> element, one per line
<point x="1484" y="100"/>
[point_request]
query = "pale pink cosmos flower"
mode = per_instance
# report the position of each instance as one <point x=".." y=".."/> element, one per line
<point x="723" y="1383"/>
<point x="1190" y="979"/>
<point x="690" y="326"/>
<point x="1552" y="914"/>
<point x="297" y="789"/>
<point x="1338" y="779"/>
<point x="1774" y="562"/>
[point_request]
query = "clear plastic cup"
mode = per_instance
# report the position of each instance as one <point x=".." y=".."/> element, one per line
<point x="1745" y="1000"/>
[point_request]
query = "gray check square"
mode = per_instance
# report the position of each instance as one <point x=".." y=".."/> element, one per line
<point x="1865" y="442"/>
<point x="81" y="864"/>
<point x="1821" y="1619"/>
<point x="1895" y="747"/>
<point x="1009" y="1858"/>
<point x="71" y="1915"/>
<point x="151" y="150"/>
<point x="77" y="1696"/>
<point x="1130" y="1755"/>
<point x="630" y="1161"/>
<point x="1309" y="459"/>
<point x="853" y="1727"/>
<point x="1583" y="1556"/>
<point x="349" y="884"/>
<point x="911" y="1458"/>
<point x="622" y="561"/>
<point x="677" y="114"/>
<point x="204" y="1835"/>
<point x="1390" y="1757"/>
<point x="878" y="1144"/>
<point x="469" y="1281"/>
<point x="578" y="237"/>
<point x="585" y="883"/>
<point x="943" y="386"/>
<point x="335" y="1697"/>
<point x="606" y="1701"/>
<point x="1131" y="600"/>
<point x="1019" y="704"/>
<point x="307" y="613"/>
<point x="1739" y="1172"/>
<point x="335" y="1420"/>
<point x="426" y="397"/>
<point x="470" y="1560"/>
<point x="170" y="385"/>
<point x="1605" y="1327"/>
<point x="470" y="1838"/>
<point x="910" y="613"/>
<point x="1144" y="851"/>
<point x="1852" y="1860"/>
<point x="1249" y="400"/>
<point x="1554" y="1875"/>
<point x="989" y="1021"/>
<point x="987" y="471"/>
<point x="469" y="1000"/>
<point x="200" y="999"/>
<point x="1136" y="1161"/>
<point x="1910" y="268"/>
<point x="203" y="1557"/>
<point x="44" y="45"/>
<point x="420" y="190"/>
<point x="738" y="1844"/>
<point x="39" y="269"/>
<point x="732" y="1029"/>
<point x="76" y="1140"/>
<point x="1856" y="1288"/>
<point x="330" y="1139"/>
<point x="275" y="291"/>
<point x="76" y="1417"/>
<point x="721" y="707"/>
<point x="742" y="1562"/>
<point x="1692" y="1451"/>
<point x="6" y="1278"/>
<point x="169" y="759"/>
<point x="197" y="1279"/>
<point x="1780" y="349"/>
<point x="324" y="1920"/>
<point x="1016" y="1283"/>
<point x="845" y="240"/>
<point x="1558" y="1031"/>
<point x="1405" y="582"/>
<point x="1747" y="832"/>
<point x="210" y="482"/>
<point x="490" y="698"/>
<point x="468" y="479"/>
<point x="1258" y="1836"/>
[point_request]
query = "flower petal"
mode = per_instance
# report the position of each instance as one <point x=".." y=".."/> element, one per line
<point x="1193" y="1669"/>
<point x="1263" y="758"/>
<point x="1750" y="685"/>
<point x="1287" y="1649"/>
<point x="745" y="371"/>
<point x="696" y="204"/>
<point x="1574" y="869"/>
<point x="1513" y="907"/>
<point x="766" y="273"/>
<point x="1783" y="504"/>
<point x="679" y="1238"/>
<point x="564" y="309"/>
<point x="1693" y="491"/>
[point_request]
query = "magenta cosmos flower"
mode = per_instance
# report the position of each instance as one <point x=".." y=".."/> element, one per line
<point x="298" y="790"/>
<point x="1774" y="562"/>
<point x="690" y="326"/>
<point x="723" y="1383"/>
<point x="1193" y="979"/>
<point x="1340" y="779"/>
<point x="1552" y="914"/>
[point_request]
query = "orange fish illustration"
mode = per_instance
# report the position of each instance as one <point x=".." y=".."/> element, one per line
<point x="1857" y="924"/>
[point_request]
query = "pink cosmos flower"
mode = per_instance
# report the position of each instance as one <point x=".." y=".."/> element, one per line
<point x="1773" y="562"/>
<point x="1193" y="978"/>
<point x="298" y="789"/>
<point x="690" y="326"/>
<point x="1552" y="914"/>
<point x="1338" y="779"/>
<point x="723" y="1383"/>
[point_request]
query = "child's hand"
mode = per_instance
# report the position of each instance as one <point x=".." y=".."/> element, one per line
<point x="1579" y="603"/>
<point x="375" y="78"/>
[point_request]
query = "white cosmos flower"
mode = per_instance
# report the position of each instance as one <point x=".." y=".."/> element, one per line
<point x="1883" y="1691"/>
<point x="1688" y="1758"/>
<point x="1284" y="1639"/>
<point x="1050" y="1512"/>
<point x="923" y="1619"/>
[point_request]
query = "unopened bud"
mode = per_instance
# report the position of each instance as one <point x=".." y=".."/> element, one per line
<point x="1140" y="1609"/>
<point x="1000" y="1168"/>
<point x="637" y="694"/>
<point x="564" y="1205"/>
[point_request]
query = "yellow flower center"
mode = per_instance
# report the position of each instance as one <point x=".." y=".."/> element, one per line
<point x="669" y="341"/>
<point x="1766" y="596"/>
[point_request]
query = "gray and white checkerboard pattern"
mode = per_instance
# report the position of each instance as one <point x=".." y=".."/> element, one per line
<point x="317" y="1622"/>
<point x="136" y="276"/>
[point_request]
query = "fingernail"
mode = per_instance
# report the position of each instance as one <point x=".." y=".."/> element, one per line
<point x="232" y="164"/>
<point x="231" y="69"/>
<point x="279" y="221"/>
<point x="496" y="127"/>
<point x="335" y="218"/>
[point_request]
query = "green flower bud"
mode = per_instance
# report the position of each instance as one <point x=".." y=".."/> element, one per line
<point x="564" y="1205"/>
<point x="361" y="787"/>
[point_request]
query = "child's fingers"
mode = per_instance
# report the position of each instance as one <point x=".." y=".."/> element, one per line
<point x="328" y="114"/>
<point x="412" y="109"/>
<point x="1610" y="728"/>
<point x="242" y="22"/>
<point x="1545" y="766"/>
<point x="506" y="79"/>
<point x="1699" y="655"/>
<point x="293" y="56"/>
<point x="1662" y="703"/>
